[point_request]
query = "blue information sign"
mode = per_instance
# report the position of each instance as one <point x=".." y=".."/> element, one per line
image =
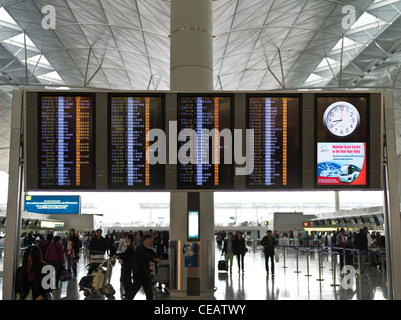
<point x="52" y="204"/>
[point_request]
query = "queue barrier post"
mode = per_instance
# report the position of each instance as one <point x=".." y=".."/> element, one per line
<point x="334" y="284"/>
<point x="297" y="251"/>
<point x="320" y="268"/>
<point x="284" y="267"/>
<point x="307" y="263"/>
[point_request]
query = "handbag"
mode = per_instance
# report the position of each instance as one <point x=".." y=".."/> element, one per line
<point x="276" y="257"/>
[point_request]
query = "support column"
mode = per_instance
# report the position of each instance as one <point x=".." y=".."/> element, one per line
<point x="191" y="45"/>
<point x="391" y="202"/>
<point x="337" y="200"/>
<point x="12" y="240"/>
<point x="191" y="69"/>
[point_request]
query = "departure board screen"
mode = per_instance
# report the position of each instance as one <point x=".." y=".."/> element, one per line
<point x="205" y="140"/>
<point x="66" y="141"/>
<point x="276" y="124"/>
<point x="131" y="118"/>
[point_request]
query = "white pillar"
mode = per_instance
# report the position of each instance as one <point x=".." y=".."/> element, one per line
<point x="12" y="242"/>
<point x="191" y="69"/>
<point x="191" y="45"/>
<point x="391" y="203"/>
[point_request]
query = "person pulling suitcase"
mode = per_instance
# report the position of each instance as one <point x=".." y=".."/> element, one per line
<point x="228" y="252"/>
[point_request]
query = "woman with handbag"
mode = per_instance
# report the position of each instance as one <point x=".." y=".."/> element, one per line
<point x="55" y="257"/>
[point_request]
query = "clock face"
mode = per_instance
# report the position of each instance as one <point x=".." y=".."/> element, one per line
<point x="341" y="119"/>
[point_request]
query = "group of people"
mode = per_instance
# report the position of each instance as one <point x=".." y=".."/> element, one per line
<point x="363" y="240"/>
<point x="38" y="254"/>
<point x="236" y="246"/>
<point x="135" y="252"/>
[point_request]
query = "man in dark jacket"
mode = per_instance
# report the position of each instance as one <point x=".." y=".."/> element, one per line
<point x="127" y="267"/>
<point x="268" y="243"/>
<point x="98" y="244"/>
<point x="143" y="256"/>
<point x="361" y="243"/>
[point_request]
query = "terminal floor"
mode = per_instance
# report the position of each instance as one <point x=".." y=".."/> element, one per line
<point x="254" y="284"/>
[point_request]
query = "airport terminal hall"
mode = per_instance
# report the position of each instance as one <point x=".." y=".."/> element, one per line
<point x="217" y="153"/>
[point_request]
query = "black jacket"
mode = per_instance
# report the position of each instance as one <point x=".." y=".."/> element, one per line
<point x="239" y="247"/>
<point x="143" y="257"/>
<point x="128" y="257"/>
<point x="268" y="246"/>
<point x="98" y="244"/>
<point x="361" y="241"/>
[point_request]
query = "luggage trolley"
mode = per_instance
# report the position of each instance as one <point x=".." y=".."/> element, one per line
<point x="98" y="278"/>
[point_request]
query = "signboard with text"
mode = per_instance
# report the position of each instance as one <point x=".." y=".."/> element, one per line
<point x="52" y="204"/>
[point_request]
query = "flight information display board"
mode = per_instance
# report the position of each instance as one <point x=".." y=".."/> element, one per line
<point x="277" y="138"/>
<point x="66" y="141"/>
<point x="342" y="140"/>
<point x="130" y="119"/>
<point x="204" y="156"/>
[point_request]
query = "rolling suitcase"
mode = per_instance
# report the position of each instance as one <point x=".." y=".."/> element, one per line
<point x="222" y="265"/>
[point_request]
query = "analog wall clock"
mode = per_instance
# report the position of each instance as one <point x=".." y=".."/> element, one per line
<point x="341" y="119"/>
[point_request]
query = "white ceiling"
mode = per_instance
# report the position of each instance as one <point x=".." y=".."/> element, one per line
<point x="258" y="45"/>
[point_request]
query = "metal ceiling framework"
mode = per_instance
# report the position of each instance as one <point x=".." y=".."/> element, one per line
<point x="258" y="45"/>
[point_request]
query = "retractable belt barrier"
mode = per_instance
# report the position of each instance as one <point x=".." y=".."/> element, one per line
<point x="328" y="250"/>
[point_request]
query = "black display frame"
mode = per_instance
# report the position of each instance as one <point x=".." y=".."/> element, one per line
<point x="91" y="94"/>
<point x="110" y="95"/>
<point x="232" y="169"/>
<point x="341" y="95"/>
<point x="299" y="96"/>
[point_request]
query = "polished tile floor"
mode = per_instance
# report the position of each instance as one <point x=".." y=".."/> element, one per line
<point x="286" y="284"/>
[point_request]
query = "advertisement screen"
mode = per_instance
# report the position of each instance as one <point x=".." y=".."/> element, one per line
<point x="341" y="141"/>
<point x="193" y="225"/>
<point x="341" y="163"/>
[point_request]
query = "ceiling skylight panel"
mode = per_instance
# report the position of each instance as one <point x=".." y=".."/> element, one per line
<point x="52" y="77"/>
<point x="7" y="21"/>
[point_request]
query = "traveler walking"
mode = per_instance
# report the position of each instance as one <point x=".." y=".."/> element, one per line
<point x="228" y="252"/>
<point x="55" y="257"/>
<point x="71" y="250"/>
<point x="239" y="250"/>
<point x="127" y="266"/>
<point x="268" y="243"/>
<point x="143" y="256"/>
